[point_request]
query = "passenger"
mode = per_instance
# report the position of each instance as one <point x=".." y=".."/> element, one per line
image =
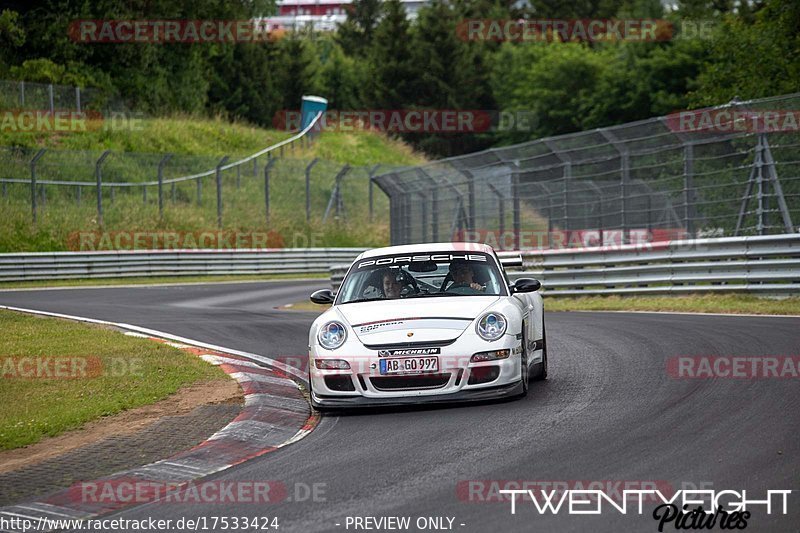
<point x="391" y="285"/>
<point x="463" y="275"/>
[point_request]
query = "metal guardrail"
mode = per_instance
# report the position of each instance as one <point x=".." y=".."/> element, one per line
<point x="761" y="264"/>
<point x="121" y="264"/>
<point x="764" y="264"/>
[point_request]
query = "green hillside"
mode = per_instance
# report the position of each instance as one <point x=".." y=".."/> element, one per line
<point x="197" y="144"/>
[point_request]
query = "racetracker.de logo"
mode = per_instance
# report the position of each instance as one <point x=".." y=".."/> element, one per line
<point x="727" y="120"/>
<point x="733" y="367"/>
<point x="133" y="491"/>
<point x="563" y="30"/>
<point x="492" y="490"/>
<point x="51" y="367"/>
<point x="412" y="120"/>
<point x="170" y="31"/>
<point x="67" y="121"/>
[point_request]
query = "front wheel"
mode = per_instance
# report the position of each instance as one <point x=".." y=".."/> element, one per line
<point x="541" y="368"/>
<point x="524" y="370"/>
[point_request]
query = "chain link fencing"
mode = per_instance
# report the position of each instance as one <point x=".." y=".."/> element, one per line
<point x="52" y="97"/>
<point x="726" y="171"/>
<point x="273" y="189"/>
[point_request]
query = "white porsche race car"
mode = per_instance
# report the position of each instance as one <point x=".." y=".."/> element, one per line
<point x="426" y="323"/>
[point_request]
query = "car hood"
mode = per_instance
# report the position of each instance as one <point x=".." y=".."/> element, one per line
<point x="417" y="320"/>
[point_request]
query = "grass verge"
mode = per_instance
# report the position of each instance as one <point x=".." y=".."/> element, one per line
<point x="696" y="303"/>
<point x="712" y="303"/>
<point x="167" y="280"/>
<point x="103" y="372"/>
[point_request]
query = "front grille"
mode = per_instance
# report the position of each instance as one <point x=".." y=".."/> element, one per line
<point x="341" y="383"/>
<point x="422" y="381"/>
<point x="406" y="345"/>
<point x="483" y="374"/>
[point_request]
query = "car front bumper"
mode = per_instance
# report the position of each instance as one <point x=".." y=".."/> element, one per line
<point x="457" y="379"/>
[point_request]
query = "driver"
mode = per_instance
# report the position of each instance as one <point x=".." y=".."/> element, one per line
<point x="463" y="275"/>
<point x="391" y="284"/>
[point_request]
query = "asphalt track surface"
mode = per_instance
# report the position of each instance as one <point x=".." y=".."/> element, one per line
<point x="608" y="412"/>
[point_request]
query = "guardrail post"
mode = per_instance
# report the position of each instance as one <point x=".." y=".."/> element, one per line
<point x="161" y="165"/>
<point x="219" y="190"/>
<point x="22" y="94"/>
<point x="80" y="189"/>
<point x="688" y="189"/>
<point x="199" y="191"/>
<point x="308" y="188"/>
<point x="267" y="168"/>
<point x="35" y="159"/>
<point x="515" y="197"/>
<point x="423" y="201"/>
<point x="624" y="170"/>
<point x="567" y="179"/>
<point x="78" y="99"/>
<point x="98" y="174"/>
<point x="50" y="97"/>
<point x="255" y="167"/>
<point x="339" y="200"/>
<point x="501" y="212"/>
<point x="372" y="173"/>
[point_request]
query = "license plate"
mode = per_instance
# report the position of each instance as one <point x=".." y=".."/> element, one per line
<point x="409" y="365"/>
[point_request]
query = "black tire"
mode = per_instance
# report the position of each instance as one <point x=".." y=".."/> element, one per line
<point x="524" y="370"/>
<point x="541" y="368"/>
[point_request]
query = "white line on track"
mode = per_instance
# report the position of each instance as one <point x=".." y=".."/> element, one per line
<point x="167" y="284"/>
<point x="164" y="335"/>
<point x="679" y="313"/>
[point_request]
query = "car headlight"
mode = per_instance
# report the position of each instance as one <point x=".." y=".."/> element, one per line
<point x="332" y="335"/>
<point x="491" y="326"/>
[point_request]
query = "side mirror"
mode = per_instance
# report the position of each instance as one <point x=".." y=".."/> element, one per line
<point x="323" y="297"/>
<point x="526" y="285"/>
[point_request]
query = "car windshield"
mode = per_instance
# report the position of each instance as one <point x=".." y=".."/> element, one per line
<point x="422" y="276"/>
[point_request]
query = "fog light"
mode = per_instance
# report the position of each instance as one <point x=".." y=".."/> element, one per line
<point x="490" y="356"/>
<point x="332" y="364"/>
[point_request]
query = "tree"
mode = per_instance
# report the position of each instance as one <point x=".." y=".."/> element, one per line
<point x="752" y="60"/>
<point x="391" y="81"/>
<point x="356" y="33"/>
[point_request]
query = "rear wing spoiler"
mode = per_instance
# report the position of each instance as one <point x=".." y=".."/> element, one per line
<point x="510" y="259"/>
